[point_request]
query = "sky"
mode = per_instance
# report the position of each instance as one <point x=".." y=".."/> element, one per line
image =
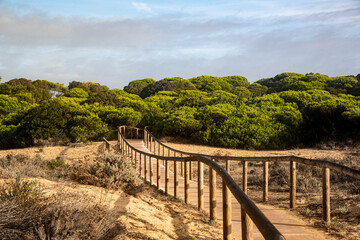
<point x="113" y="42"/>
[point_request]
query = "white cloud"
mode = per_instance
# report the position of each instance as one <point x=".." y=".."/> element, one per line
<point x="142" y="7"/>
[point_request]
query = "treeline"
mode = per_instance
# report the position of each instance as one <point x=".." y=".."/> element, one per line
<point x="273" y="113"/>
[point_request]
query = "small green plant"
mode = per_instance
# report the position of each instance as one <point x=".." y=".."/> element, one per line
<point x="212" y="221"/>
<point x="109" y="171"/>
<point x="26" y="192"/>
<point x="180" y="199"/>
<point x="343" y="210"/>
<point x="307" y="212"/>
<point x="57" y="163"/>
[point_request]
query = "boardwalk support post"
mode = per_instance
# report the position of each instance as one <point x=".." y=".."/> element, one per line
<point x="167" y="179"/>
<point x="246" y="223"/>
<point x="157" y="173"/>
<point x="227" y="222"/>
<point x="266" y="181"/>
<point x="212" y="186"/>
<point x="187" y="182"/>
<point x="200" y="185"/>
<point x="326" y="194"/>
<point x="292" y="184"/>
<point x="176" y="183"/>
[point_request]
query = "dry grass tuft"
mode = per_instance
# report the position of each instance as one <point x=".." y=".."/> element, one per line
<point x="61" y="216"/>
<point x="109" y="171"/>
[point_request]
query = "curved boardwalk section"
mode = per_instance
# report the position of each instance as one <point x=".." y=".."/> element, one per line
<point x="289" y="225"/>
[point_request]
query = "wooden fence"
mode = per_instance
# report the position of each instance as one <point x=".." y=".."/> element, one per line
<point x="249" y="209"/>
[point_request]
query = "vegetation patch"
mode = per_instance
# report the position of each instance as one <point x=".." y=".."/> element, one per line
<point x="109" y="171"/>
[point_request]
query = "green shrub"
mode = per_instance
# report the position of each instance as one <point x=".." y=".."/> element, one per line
<point x="26" y="192"/>
<point x="109" y="171"/>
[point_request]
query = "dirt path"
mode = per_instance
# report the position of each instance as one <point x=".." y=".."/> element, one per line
<point x="287" y="223"/>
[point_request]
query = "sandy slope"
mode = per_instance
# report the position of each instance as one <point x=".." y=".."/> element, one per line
<point x="148" y="214"/>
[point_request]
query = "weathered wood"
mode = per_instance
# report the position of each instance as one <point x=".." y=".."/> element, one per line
<point x="167" y="179"/>
<point x="266" y="181"/>
<point x="140" y="162"/>
<point x="266" y="228"/>
<point x="326" y="194"/>
<point x="212" y="186"/>
<point x="145" y="169"/>
<point x="227" y="222"/>
<point x="176" y="182"/>
<point x="151" y="171"/>
<point x="150" y="143"/>
<point x="191" y="171"/>
<point x="200" y="185"/>
<point x="158" y="174"/>
<point x="187" y="182"/>
<point x="181" y="166"/>
<point x="292" y="184"/>
<point x="246" y="223"/>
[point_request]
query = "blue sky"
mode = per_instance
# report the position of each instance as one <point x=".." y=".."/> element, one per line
<point x="115" y="41"/>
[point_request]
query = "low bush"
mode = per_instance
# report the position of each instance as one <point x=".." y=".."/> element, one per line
<point x="26" y="214"/>
<point x="109" y="171"/>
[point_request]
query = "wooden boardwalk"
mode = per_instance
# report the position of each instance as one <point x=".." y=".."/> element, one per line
<point x="290" y="226"/>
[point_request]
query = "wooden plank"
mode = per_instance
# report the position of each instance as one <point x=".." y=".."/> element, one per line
<point x="266" y="181"/>
<point x="200" y="185"/>
<point x="212" y="189"/>
<point x="326" y="194"/>
<point x="246" y="223"/>
<point x="187" y="182"/>
<point x="227" y="221"/>
<point x="158" y="174"/>
<point x="292" y="184"/>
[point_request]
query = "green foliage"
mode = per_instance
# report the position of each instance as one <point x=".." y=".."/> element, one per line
<point x="25" y="192"/>
<point x="277" y="112"/>
<point x="181" y="122"/>
<point x="257" y="90"/>
<point x="76" y="93"/>
<point x="167" y="84"/>
<point x="209" y="83"/>
<point x="109" y="171"/>
<point x="137" y="86"/>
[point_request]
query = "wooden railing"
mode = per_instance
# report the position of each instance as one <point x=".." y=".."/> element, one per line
<point x="249" y="209"/>
<point x="325" y="165"/>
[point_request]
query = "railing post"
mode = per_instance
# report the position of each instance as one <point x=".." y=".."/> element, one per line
<point x="145" y="169"/>
<point x="292" y="184"/>
<point x="176" y="183"/>
<point x="157" y="174"/>
<point x="266" y="181"/>
<point x="187" y="182"/>
<point x="118" y="140"/>
<point x="137" y="133"/>
<point x="326" y="194"/>
<point x="191" y="171"/>
<point x="167" y="179"/>
<point x="150" y="143"/>
<point x="227" y="221"/>
<point x="200" y="185"/>
<point x="181" y="166"/>
<point x="158" y="149"/>
<point x="140" y="162"/>
<point x="151" y="171"/>
<point x="246" y="224"/>
<point x="212" y="186"/>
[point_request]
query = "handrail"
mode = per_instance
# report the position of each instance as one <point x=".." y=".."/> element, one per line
<point x="325" y="165"/>
<point x="313" y="162"/>
<point x="267" y="229"/>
